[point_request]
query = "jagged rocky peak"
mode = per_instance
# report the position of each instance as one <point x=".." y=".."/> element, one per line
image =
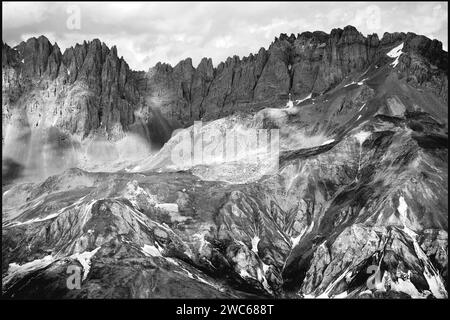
<point x="429" y="49"/>
<point x="38" y="57"/>
<point x="10" y="57"/>
<point x="184" y="67"/>
<point x="285" y="37"/>
<point x="389" y="38"/>
<point x="349" y="35"/>
<point x="206" y="67"/>
<point x="373" y="40"/>
<point x="34" y="54"/>
<point x="106" y="92"/>
<point x="310" y="39"/>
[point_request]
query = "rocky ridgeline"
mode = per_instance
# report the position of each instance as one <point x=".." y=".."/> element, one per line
<point x="92" y="81"/>
<point x="306" y="63"/>
<point x="89" y="79"/>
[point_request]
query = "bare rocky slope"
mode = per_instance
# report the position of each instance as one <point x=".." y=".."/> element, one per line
<point x="358" y="206"/>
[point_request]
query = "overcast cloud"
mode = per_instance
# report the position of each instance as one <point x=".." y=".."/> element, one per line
<point x="146" y="33"/>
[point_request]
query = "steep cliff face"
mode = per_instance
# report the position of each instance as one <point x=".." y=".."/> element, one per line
<point x="85" y="88"/>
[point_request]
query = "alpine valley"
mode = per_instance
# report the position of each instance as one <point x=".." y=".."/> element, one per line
<point x="356" y="208"/>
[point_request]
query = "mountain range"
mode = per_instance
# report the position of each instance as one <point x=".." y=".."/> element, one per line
<point x="357" y="206"/>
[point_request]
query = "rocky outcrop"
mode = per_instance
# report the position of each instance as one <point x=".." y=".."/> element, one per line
<point x="425" y="65"/>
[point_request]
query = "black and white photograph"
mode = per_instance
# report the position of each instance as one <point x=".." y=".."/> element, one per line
<point x="224" y="151"/>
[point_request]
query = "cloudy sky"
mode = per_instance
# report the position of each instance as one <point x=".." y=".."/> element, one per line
<point x="146" y="33"/>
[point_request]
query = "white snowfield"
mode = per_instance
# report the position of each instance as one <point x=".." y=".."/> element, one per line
<point x="359" y="83"/>
<point x="362" y="136"/>
<point x="255" y="241"/>
<point x="328" y="142"/>
<point x="151" y="251"/>
<point x="395" y="53"/>
<point x="84" y="258"/>
<point x="15" y="269"/>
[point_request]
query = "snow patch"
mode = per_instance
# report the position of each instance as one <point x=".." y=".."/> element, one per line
<point x="395" y="53"/>
<point x="50" y="216"/>
<point x="353" y="82"/>
<point x="255" y="241"/>
<point x="296" y="240"/>
<point x="171" y="207"/>
<point x="244" y="274"/>
<point x="265" y="267"/>
<point x="362" y="136"/>
<point x="15" y="269"/>
<point x="304" y="99"/>
<point x="151" y="251"/>
<point x="360" y="83"/>
<point x="85" y="260"/>
<point x="328" y="142"/>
